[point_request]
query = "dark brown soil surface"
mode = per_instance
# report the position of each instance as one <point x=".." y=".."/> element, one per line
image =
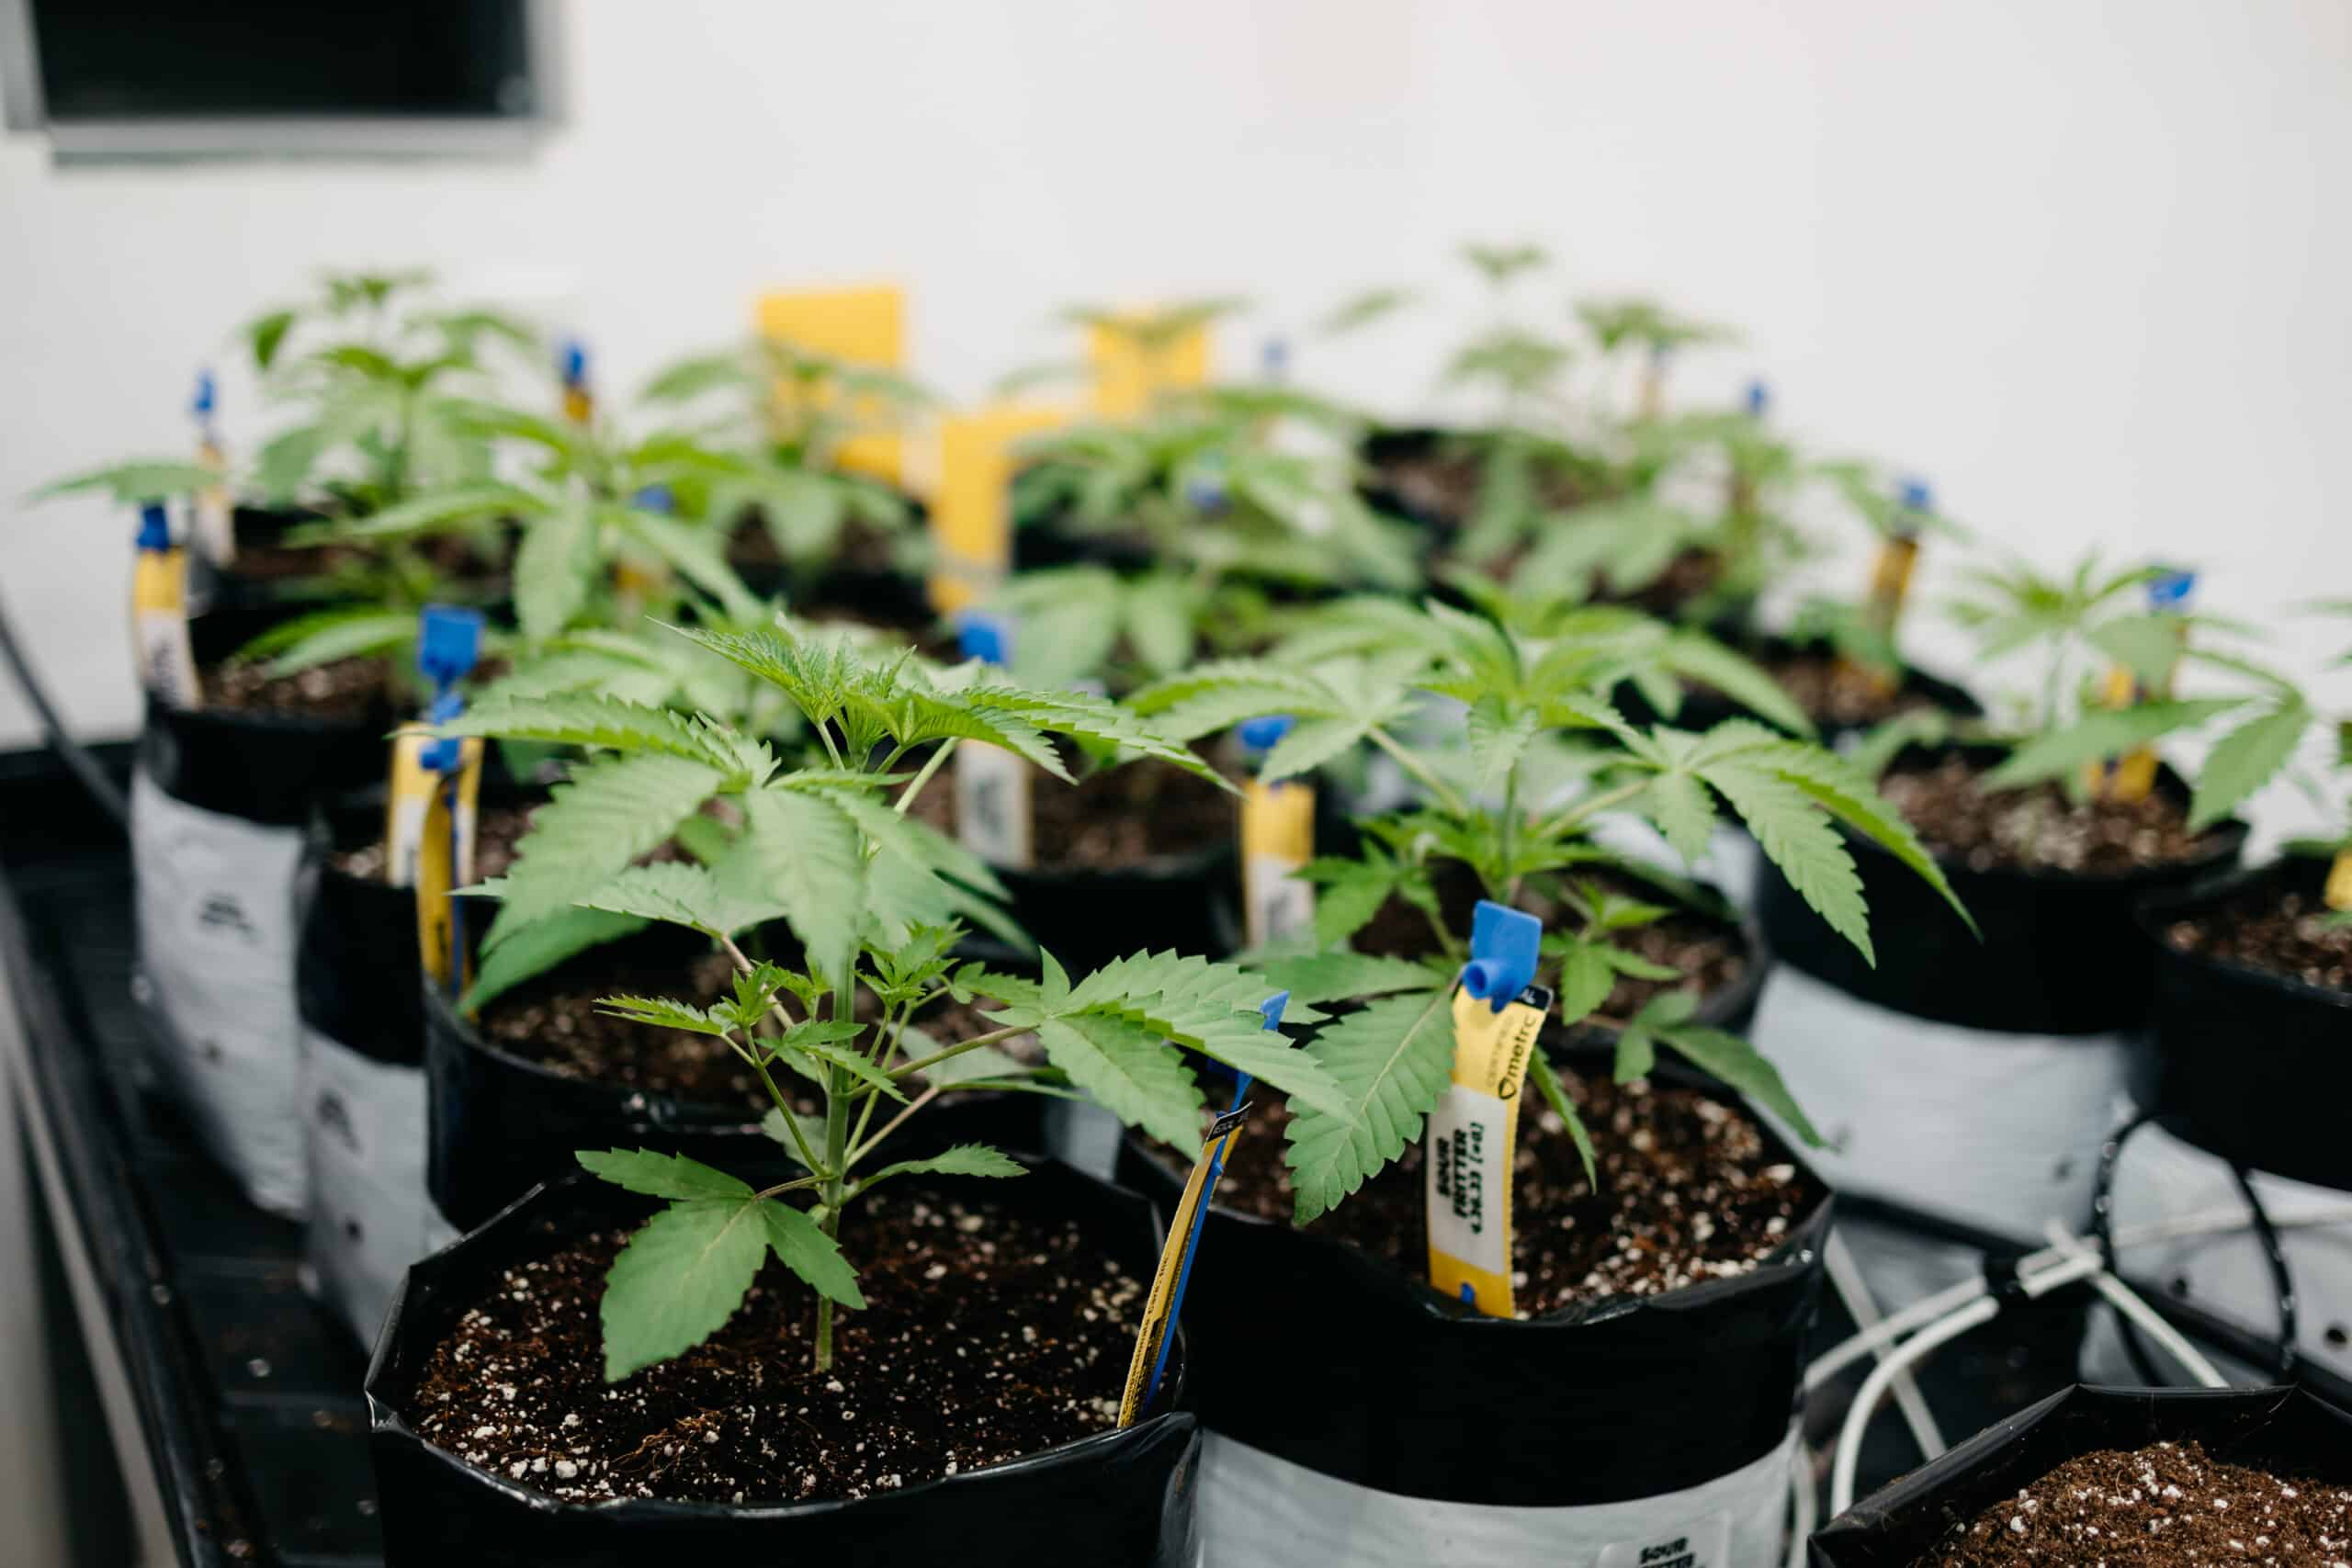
<point x="860" y="546"/>
<point x="1835" y="692"/>
<point x="1710" y="953"/>
<point x="1443" y="480"/>
<point x="2038" y="829"/>
<point x="2261" y="925"/>
<point x="346" y="689"/>
<point x="1691" y="1190"/>
<point x="554" y="1021"/>
<point x="2166" y="1505"/>
<point x="1115" y="820"/>
<point x="990" y="1334"/>
<point x="497" y="829"/>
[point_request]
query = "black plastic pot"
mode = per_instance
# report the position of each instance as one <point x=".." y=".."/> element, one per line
<point x="2282" y="1429"/>
<point x="1189" y="902"/>
<point x="1313" y="1352"/>
<point x="356" y="967"/>
<point x="2060" y="954"/>
<point x="499" y="1125"/>
<point x="1118" y="1498"/>
<point x="2250" y="1065"/>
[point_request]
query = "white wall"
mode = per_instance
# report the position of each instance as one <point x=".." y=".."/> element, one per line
<point x="2087" y="266"/>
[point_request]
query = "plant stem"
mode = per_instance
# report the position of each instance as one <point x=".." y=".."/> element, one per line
<point x="836" y="1151"/>
<point x="1419" y="769"/>
<point x="974" y="1044"/>
<point x="1584" y="810"/>
<point x="795" y="1185"/>
<point x="922" y="777"/>
<point x="893" y="1124"/>
<point x="745" y="966"/>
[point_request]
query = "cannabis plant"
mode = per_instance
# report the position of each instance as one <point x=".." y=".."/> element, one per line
<point x="2077" y="727"/>
<point x="873" y="899"/>
<point x="378" y="376"/>
<point x="787" y="413"/>
<point x="1513" y="790"/>
<point x="1859" y="627"/>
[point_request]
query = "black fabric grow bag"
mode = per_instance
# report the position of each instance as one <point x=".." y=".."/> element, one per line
<point x="2060" y="956"/>
<point x="1121" y="1499"/>
<point x="1318" y="1354"/>
<point x="2250" y="1065"/>
<point x="498" y="1124"/>
<point x="1085" y="918"/>
<point x="2285" y="1429"/>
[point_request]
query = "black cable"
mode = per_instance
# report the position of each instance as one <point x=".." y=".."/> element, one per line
<point x="2284" y="1356"/>
<point x="80" y="762"/>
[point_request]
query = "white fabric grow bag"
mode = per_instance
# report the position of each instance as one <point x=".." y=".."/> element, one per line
<point x="363" y="1123"/>
<point x="1997" y="1131"/>
<point x="2160" y="1177"/>
<point x="1258" y="1511"/>
<point x="214" y="902"/>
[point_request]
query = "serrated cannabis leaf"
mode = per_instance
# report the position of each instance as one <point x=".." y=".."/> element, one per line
<point x="2244" y="759"/>
<point x="1391" y="1061"/>
<point x="1128" y="1067"/>
<point x="959" y="1159"/>
<point x="802" y="1246"/>
<point x="679" y="1279"/>
<point x="660" y="1176"/>
<point x="609" y="814"/>
<point x="533" y="948"/>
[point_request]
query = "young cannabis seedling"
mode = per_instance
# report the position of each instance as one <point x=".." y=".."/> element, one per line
<point x="1514" y="794"/>
<point x="873" y="898"/>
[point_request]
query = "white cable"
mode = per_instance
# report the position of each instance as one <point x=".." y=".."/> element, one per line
<point x="2129" y="1303"/>
<point x="1801" y="1513"/>
<point x="1929" y="1308"/>
<point x="1862" y="1308"/>
<point x="1983" y="1310"/>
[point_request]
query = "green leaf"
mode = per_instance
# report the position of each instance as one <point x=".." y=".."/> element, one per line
<point x="436" y="511"/>
<point x="1344" y="977"/>
<point x="680" y="1278"/>
<point x="1736" y="1062"/>
<point x="133" y="483"/>
<point x="1556" y="1095"/>
<point x="802" y="1246"/>
<point x="1391" y="1061"/>
<point x="812" y="1040"/>
<point x="1348" y="894"/>
<point x="962" y="1159"/>
<point x="1211" y="1008"/>
<point x="812" y="1128"/>
<point x="1698" y="657"/>
<point x="660" y="1176"/>
<point x="1679" y="803"/>
<point x="682" y="895"/>
<point x="1850" y="797"/>
<point x="1310" y="743"/>
<point x="610" y="814"/>
<point x="2244" y="761"/>
<point x="531" y="950"/>
<point x="809" y="854"/>
<point x="2096" y="737"/>
<point x="584" y="718"/>
<point x="333" y="634"/>
<point x="1586" y="979"/>
<point x="1797" y="838"/>
<point x="551" y="567"/>
<point x="1130" y="1068"/>
<point x="697" y="553"/>
<point x="664" y="1013"/>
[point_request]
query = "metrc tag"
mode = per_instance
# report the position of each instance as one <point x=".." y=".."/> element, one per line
<point x="1129" y="375"/>
<point x="215" y="530"/>
<point x="1474" y="1131"/>
<point x="1277" y="838"/>
<point x="159" y="613"/>
<point x="2134" y="774"/>
<point x="992" y="812"/>
<point x="434" y="788"/>
<point x="1165" y="1304"/>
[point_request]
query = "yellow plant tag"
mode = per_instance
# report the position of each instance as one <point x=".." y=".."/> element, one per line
<point x="1160" y="1307"/>
<point x="1891" y="582"/>
<point x="971" y="514"/>
<point x="429" y="843"/>
<point x="1128" y="375"/>
<point x="159" y="616"/>
<point x="1472" y="1135"/>
<point x="2338" y="895"/>
<point x="2132" y="776"/>
<point x="216" y="518"/>
<point x="1277" y="838"/>
<point x="861" y="326"/>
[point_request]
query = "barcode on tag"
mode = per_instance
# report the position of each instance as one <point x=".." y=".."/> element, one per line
<point x="1278" y="906"/>
<point x="992" y="817"/>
